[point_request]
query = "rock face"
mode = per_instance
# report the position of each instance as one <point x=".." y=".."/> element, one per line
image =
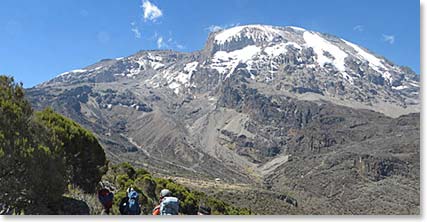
<point x="281" y="108"/>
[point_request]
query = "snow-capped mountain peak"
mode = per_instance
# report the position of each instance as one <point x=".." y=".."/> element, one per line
<point x="253" y="32"/>
<point x="245" y="44"/>
<point x="289" y="59"/>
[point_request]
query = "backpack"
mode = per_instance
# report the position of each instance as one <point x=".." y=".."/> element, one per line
<point x="133" y="207"/>
<point x="169" y="206"/>
<point x="123" y="206"/>
<point x="106" y="198"/>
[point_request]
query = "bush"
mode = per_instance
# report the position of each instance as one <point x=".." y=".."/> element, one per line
<point x="149" y="189"/>
<point x="142" y="172"/>
<point x="147" y="185"/>
<point x="84" y="156"/>
<point x="40" y="153"/>
<point x="32" y="169"/>
<point x="118" y="196"/>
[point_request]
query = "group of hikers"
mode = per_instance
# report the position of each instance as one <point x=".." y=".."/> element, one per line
<point x="129" y="205"/>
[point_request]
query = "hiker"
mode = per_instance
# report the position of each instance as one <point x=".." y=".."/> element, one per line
<point x="106" y="198"/>
<point x="168" y="205"/>
<point x="204" y="210"/>
<point x="129" y="205"/>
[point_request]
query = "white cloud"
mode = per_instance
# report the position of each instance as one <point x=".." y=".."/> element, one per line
<point x="175" y="44"/>
<point x="388" y="38"/>
<point x="160" y="43"/>
<point x="167" y="42"/>
<point x="151" y="11"/>
<point x="359" y="28"/>
<point x="215" y="28"/>
<point x="135" y="30"/>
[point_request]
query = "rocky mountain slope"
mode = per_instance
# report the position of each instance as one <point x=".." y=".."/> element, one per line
<point x="283" y="109"/>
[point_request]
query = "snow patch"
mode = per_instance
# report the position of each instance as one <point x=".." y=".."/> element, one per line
<point x="154" y="58"/>
<point x="175" y="86"/>
<point x="312" y="66"/>
<point x="399" y="87"/>
<point x="191" y="67"/>
<point x="182" y="78"/>
<point x="226" y="62"/>
<point x="150" y="61"/>
<point x="387" y="76"/>
<point x="280" y="48"/>
<point x="156" y="65"/>
<point x="366" y="56"/>
<point x="297" y="28"/>
<point x="73" y="71"/>
<point x="154" y="62"/>
<point x="320" y="46"/>
<point x="347" y="77"/>
<point x="374" y="62"/>
<point x="176" y="80"/>
<point x="254" y="32"/>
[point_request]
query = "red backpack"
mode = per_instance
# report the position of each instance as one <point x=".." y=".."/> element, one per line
<point x="106" y="198"/>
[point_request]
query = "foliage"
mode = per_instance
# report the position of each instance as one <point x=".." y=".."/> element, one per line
<point x="84" y="156"/>
<point x="149" y="187"/>
<point x="31" y="163"/>
<point x="78" y="195"/>
<point x="41" y="153"/>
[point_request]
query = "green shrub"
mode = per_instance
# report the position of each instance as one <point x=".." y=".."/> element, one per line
<point x="149" y="189"/>
<point x="142" y="172"/>
<point x="118" y="196"/>
<point x="40" y="153"/>
<point x="147" y="186"/>
<point x="32" y="169"/>
<point x="84" y="156"/>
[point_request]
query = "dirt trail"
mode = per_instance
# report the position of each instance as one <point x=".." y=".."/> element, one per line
<point x="211" y="184"/>
<point x="273" y="164"/>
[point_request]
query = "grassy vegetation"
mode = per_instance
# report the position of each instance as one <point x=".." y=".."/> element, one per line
<point x="149" y="187"/>
<point x="43" y="154"/>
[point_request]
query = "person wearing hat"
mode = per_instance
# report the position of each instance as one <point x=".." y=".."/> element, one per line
<point x="163" y="193"/>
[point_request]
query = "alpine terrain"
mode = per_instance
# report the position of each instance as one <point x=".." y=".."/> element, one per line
<point x="280" y="120"/>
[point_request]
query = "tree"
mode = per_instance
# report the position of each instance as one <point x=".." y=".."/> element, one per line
<point x="42" y="152"/>
<point x="31" y="164"/>
<point x="85" y="158"/>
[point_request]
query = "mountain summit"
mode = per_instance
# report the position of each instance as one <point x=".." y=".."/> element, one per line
<point x="289" y="60"/>
<point x="278" y="109"/>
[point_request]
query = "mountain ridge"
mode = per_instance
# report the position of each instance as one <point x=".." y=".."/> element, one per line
<point x="368" y="70"/>
<point x="266" y="108"/>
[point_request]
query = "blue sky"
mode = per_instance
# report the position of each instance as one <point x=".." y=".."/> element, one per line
<point x="41" y="38"/>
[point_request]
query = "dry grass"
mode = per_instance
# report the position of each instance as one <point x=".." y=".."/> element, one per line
<point x="91" y="200"/>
